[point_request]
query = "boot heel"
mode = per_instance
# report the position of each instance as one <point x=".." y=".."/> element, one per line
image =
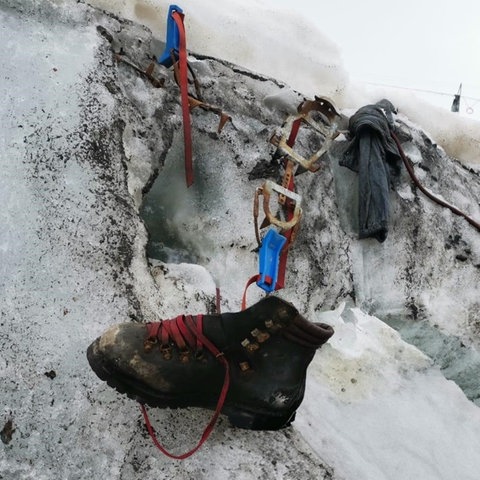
<point x="257" y="421"/>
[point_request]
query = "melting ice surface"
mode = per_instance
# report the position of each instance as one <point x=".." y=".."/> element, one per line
<point x="383" y="394"/>
<point x="172" y="213"/>
<point x="374" y="409"/>
<point x="384" y="412"/>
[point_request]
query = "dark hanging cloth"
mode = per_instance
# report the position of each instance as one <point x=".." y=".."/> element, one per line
<point x="373" y="154"/>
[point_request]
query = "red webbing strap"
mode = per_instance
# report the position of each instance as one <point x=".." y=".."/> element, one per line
<point x="172" y="330"/>
<point x="249" y="282"/>
<point x="294" y="132"/>
<point x="189" y="336"/>
<point x="282" y="264"/>
<point x="187" y="129"/>
<point x="197" y="328"/>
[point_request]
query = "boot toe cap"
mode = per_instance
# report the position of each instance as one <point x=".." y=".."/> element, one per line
<point x="120" y="352"/>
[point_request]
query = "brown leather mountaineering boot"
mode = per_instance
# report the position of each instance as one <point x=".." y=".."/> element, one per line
<point x="182" y="362"/>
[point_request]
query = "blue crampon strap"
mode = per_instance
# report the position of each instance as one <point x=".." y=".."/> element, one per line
<point x="172" y="39"/>
<point x="269" y="257"/>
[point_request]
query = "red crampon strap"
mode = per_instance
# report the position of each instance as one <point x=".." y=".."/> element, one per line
<point x="187" y="129"/>
<point x="249" y="282"/>
<point x="294" y="132"/>
<point x="184" y="330"/>
<point x="282" y="264"/>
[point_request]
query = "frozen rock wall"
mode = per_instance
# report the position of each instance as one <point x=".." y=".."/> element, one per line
<point x="83" y="139"/>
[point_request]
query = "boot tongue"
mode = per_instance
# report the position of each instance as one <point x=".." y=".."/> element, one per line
<point x="308" y="334"/>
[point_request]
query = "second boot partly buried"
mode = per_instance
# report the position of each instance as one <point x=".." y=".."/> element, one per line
<point x="175" y="363"/>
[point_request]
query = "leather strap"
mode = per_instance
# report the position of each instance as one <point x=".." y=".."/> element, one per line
<point x="282" y="264"/>
<point x="427" y="192"/>
<point x="183" y="81"/>
<point x="187" y="330"/>
<point x="249" y="282"/>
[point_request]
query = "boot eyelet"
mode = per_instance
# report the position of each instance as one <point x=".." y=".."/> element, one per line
<point x="272" y="326"/>
<point x="260" y="336"/>
<point x="184" y="356"/>
<point x="252" y="347"/>
<point x="166" y="352"/>
<point x="199" y="355"/>
<point x="149" y="343"/>
<point x="263" y="337"/>
<point x="244" y="366"/>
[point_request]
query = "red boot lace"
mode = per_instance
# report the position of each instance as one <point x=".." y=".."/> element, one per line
<point x="186" y="331"/>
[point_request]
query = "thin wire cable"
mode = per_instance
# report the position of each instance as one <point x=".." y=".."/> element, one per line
<point x="421" y="90"/>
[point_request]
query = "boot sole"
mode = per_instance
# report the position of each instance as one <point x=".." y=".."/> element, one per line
<point x="238" y="416"/>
